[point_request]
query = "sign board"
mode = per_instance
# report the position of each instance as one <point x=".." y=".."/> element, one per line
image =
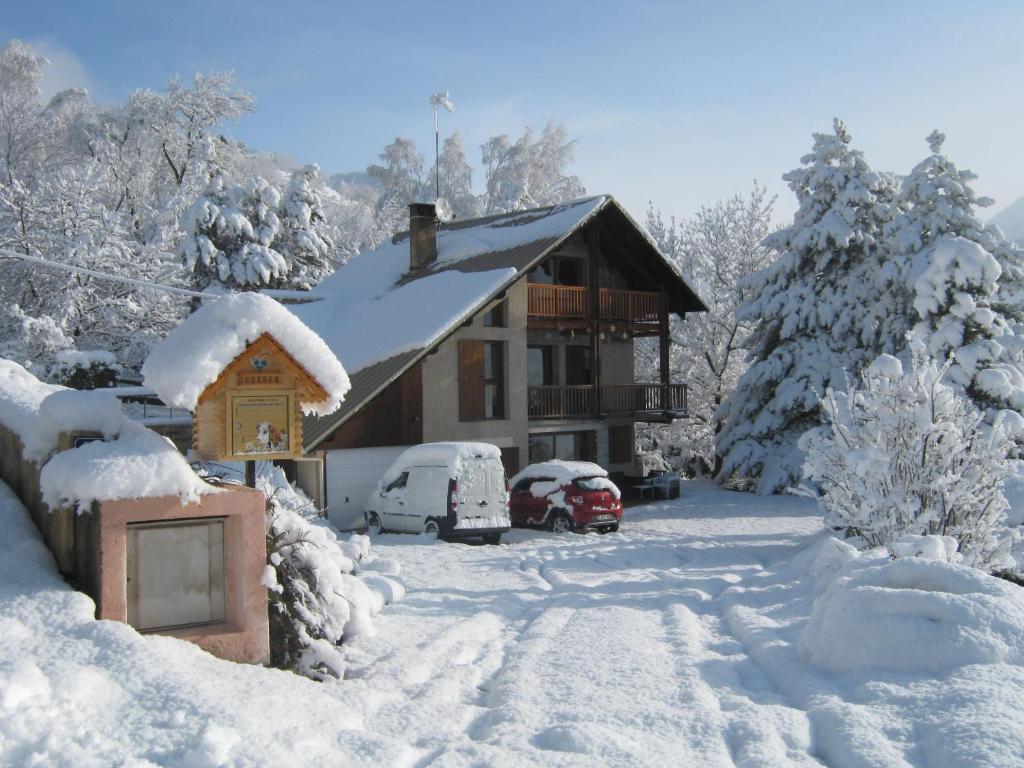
<point x="260" y="423"/>
<point x="253" y="410"/>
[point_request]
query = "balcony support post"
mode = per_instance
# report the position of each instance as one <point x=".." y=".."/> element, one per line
<point x="663" y="349"/>
<point x="593" y="281"/>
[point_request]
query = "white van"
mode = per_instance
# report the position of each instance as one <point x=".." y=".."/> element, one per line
<point x="452" y="490"/>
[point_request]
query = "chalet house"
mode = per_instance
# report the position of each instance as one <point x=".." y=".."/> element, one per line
<point x="515" y="329"/>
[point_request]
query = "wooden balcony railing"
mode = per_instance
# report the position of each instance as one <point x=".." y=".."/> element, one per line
<point x="568" y="302"/>
<point x="553" y="402"/>
<point x="557" y="402"/>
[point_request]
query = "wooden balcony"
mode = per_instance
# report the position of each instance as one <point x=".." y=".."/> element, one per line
<point x="645" y="402"/>
<point x="569" y="306"/>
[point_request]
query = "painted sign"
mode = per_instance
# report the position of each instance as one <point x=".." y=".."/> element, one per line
<point x="260" y="424"/>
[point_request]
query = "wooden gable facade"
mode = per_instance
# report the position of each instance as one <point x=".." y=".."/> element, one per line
<point x="254" y="408"/>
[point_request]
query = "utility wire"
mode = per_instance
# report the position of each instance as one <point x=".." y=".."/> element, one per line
<point x="106" y="276"/>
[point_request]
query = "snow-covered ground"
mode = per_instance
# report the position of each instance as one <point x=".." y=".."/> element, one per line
<point x="674" y="642"/>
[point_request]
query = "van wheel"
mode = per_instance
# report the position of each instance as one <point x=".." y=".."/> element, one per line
<point x="492" y="538"/>
<point x="432" y="529"/>
<point x="559" y="522"/>
<point x="373" y="524"/>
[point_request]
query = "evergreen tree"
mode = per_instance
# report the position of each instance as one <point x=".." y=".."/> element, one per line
<point x="812" y="312"/>
<point x="229" y="236"/>
<point x="303" y="238"/>
<point x="958" y="283"/>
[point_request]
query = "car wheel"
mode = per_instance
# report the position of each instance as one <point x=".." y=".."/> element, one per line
<point x="559" y="522"/>
<point x="373" y="524"/>
<point x="432" y="529"/>
<point x="492" y="538"/>
<point x="612" y="528"/>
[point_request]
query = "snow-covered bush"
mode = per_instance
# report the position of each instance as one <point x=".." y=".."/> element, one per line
<point x="904" y="453"/>
<point x="316" y="600"/>
<point x="85" y="370"/>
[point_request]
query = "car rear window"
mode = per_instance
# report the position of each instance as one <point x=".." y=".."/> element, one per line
<point x="591" y="483"/>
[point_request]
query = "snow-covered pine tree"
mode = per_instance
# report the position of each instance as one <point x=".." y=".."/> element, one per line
<point x="956" y="283"/>
<point x="229" y="234"/>
<point x="812" y="311"/>
<point x="303" y="238"/>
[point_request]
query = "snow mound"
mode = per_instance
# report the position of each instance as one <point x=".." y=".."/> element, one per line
<point x="139" y="463"/>
<point x="912" y="615"/>
<point x="451" y="455"/>
<point x="21" y="395"/>
<point x="81" y="411"/>
<point x="941" y="548"/>
<point x="196" y="352"/>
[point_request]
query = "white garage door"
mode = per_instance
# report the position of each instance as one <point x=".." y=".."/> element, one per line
<point x="351" y="475"/>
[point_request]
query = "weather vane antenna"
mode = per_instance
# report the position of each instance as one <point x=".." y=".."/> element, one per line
<point x="439" y="99"/>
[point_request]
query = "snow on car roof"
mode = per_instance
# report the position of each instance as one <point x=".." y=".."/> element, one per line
<point x="195" y="353"/>
<point x="451" y="455"/>
<point x="561" y="471"/>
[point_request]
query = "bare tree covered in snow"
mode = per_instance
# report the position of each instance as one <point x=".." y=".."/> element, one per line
<point x="456" y="176"/>
<point x="527" y="173"/>
<point x="906" y="453"/>
<point x="814" y="312"/>
<point x="716" y="249"/>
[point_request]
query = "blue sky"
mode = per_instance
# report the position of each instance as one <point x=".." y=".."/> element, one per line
<point x="679" y="103"/>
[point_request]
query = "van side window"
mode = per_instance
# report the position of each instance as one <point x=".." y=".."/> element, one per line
<point x="398" y="482"/>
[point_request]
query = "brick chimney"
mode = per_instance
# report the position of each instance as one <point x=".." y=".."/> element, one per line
<point x="422" y="234"/>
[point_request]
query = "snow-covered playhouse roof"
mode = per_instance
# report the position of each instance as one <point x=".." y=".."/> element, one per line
<point x="380" y="319"/>
<point x="195" y="353"/>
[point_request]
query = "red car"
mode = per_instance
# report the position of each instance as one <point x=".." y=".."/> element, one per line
<point x="565" y="496"/>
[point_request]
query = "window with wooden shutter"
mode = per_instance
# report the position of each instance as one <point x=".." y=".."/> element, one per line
<point x="471" y="380"/>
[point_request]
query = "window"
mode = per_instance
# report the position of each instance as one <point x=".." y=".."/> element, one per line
<point x="560" y="270"/>
<point x="481" y="380"/>
<point x="494" y="380"/>
<point x="398" y="482"/>
<point x="175" y="573"/>
<point x="577" y="365"/>
<point x="572" y="271"/>
<point x="567" y="446"/>
<point x="495" y="317"/>
<point x="620" y="444"/>
<point x="539" y="366"/>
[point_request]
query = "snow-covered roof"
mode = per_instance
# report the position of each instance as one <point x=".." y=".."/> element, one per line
<point x="370" y="311"/>
<point x="380" y="318"/>
<point x="560" y="471"/>
<point x="451" y="455"/>
<point x="195" y="353"/>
